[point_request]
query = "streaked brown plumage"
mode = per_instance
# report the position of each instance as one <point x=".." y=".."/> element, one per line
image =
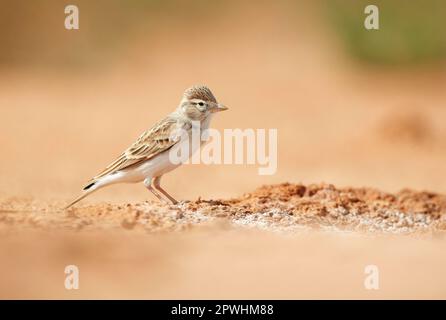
<point x="149" y="144"/>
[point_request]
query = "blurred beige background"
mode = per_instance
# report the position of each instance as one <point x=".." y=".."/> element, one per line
<point x="71" y="101"/>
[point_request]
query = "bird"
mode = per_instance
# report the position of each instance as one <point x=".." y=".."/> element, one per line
<point x="147" y="159"/>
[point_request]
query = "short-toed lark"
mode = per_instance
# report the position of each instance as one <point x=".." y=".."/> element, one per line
<point x="147" y="159"/>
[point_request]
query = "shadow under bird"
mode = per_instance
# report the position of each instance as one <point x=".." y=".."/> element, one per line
<point x="147" y="159"/>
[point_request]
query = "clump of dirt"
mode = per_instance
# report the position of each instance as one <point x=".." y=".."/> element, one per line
<point x="409" y="126"/>
<point x="293" y="207"/>
<point x="284" y="208"/>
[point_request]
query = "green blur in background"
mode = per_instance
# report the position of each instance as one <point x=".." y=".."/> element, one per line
<point x="411" y="31"/>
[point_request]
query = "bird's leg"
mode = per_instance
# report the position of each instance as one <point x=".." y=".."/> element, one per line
<point x="157" y="186"/>
<point x="148" y="184"/>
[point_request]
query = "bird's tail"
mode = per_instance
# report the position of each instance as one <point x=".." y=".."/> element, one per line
<point x="90" y="188"/>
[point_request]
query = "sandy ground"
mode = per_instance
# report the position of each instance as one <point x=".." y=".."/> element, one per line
<point x="212" y="262"/>
<point x="285" y="241"/>
<point x="361" y="129"/>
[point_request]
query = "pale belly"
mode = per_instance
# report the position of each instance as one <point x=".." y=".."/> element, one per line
<point x="152" y="168"/>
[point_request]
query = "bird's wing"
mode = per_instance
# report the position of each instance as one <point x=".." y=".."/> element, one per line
<point x="152" y="142"/>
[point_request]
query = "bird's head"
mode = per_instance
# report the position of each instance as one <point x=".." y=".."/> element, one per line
<point x="198" y="103"/>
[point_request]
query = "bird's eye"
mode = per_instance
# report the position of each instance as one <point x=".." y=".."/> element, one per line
<point x="201" y="104"/>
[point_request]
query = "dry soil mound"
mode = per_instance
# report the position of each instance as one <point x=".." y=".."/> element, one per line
<point x="285" y="207"/>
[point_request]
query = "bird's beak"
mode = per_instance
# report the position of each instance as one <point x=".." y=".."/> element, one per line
<point x="217" y="107"/>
